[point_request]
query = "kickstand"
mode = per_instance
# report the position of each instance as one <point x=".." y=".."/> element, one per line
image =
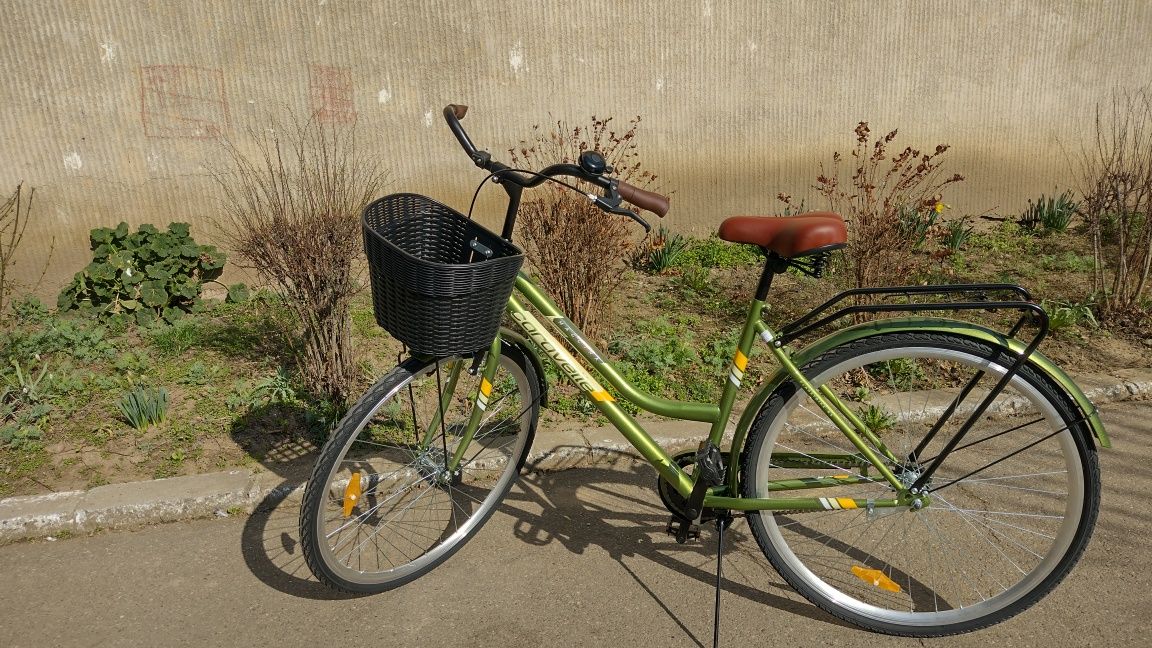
<point x="722" y="522"/>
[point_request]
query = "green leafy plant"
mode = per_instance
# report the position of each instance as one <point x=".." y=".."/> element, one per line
<point x="200" y="374"/>
<point x="1064" y="315"/>
<point x="956" y="234"/>
<point x="665" y="251"/>
<point x="25" y="382"/>
<point x="20" y="437"/>
<point x="144" y="406"/>
<point x="77" y="339"/>
<point x="878" y="420"/>
<point x="917" y="222"/>
<point x="662" y="358"/>
<point x="714" y="253"/>
<point x="22" y="407"/>
<point x="1068" y="262"/>
<point x="900" y="374"/>
<point x="274" y="389"/>
<point x="1049" y="215"/>
<point x="694" y="280"/>
<point x="28" y="309"/>
<point x="148" y="274"/>
<point x="238" y="293"/>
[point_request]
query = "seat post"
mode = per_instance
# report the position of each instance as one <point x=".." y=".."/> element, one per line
<point x="773" y="265"/>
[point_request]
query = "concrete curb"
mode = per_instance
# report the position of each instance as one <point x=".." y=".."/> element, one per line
<point x="128" y="505"/>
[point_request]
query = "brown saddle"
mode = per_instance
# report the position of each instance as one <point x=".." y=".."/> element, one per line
<point x="788" y="236"/>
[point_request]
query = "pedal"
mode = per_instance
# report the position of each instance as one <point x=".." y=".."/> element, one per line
<point x="683" y="530"/>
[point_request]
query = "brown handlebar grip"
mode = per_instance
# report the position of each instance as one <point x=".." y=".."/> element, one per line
<point x="651" y="201"/>
<point x="458" y="110"/>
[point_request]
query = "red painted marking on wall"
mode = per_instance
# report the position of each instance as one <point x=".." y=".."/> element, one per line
<point x="331" y="89"/>
<point x="182" y="101"/>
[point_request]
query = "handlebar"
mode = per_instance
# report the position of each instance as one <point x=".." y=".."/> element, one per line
<point x="644" y="199"/>
<point x="614" y="190"/>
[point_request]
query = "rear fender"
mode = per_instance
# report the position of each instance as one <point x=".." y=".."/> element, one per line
<point x="1037" y="361"/>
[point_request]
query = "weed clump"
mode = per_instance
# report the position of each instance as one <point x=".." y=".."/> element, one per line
<point x="1049" y="215"/>
<point x="144" y="406"/>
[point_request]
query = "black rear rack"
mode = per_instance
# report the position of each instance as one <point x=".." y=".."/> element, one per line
<point x="987" y="297"/>
<point x="966" y="297"/>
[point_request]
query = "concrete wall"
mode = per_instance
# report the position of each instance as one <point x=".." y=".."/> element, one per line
<point x="112" y="108"/>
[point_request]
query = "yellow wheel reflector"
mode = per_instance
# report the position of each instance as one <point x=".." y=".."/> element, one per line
<point x="352" y="494"/>
<point x="876" y="577"/>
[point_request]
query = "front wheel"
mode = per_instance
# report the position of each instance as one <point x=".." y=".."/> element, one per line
<point x="1010" y="510"/>
<point x="392" y="495"/>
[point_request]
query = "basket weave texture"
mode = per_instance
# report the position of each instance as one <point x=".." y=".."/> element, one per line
<point x="430" y="289"/>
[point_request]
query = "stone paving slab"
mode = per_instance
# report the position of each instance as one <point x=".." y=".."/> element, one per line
<point x="134" y="504"/>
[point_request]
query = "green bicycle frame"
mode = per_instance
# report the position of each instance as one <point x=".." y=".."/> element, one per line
<point x="722" y="497"/>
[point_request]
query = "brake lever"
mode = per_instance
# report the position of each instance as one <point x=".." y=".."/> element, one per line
<point x="620" y="211"/>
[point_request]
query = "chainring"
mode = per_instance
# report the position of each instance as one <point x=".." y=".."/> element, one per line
<point x="672" y="499"/>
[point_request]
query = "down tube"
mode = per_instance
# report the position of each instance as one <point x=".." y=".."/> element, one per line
<point x="600" y="397"/>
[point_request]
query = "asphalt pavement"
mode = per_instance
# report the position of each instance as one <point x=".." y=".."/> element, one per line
<point x="572" y="558"/>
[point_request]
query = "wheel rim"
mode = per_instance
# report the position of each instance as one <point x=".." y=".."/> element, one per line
<point x="411" y="512"/>
<point x="982" y="545"/>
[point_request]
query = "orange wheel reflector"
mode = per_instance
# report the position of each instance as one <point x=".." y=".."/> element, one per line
<point x="876" y="577"/>
<point x="352" y="494"/>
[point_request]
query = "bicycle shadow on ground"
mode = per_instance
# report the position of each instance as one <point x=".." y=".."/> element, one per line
<point x="612" y="508"/>
<point x="270" y="545"/>
<point x="616" y="509"/>
<point x="271" y="433"/>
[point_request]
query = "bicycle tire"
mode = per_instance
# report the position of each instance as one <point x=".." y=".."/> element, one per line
<point x="988" y="546"/>
<point x="410" y="514"/>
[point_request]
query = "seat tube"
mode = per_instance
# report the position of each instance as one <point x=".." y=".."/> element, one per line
<point x="739" y="363"/>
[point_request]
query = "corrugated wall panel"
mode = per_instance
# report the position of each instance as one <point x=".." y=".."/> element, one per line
<point x="114" y="110"/>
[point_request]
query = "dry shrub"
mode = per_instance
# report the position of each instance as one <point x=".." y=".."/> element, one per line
<point x="14" y="214"/>
<point x="1116" y="182"/>
<point x="579" y="252"/>
<point x="292" y="210"/>
<point x="884" y="200"/>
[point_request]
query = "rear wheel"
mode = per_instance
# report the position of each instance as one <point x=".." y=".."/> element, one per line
<point x="385" y="504"/>
<point x="1011" y="509"/>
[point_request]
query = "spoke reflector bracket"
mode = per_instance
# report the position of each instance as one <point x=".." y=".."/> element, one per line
<point x="876" y="578"/>
<point x="352" y="494"/>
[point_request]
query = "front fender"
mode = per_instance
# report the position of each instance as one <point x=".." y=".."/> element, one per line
<point x="1037" y="361"/>
<point x="508" y="336"/>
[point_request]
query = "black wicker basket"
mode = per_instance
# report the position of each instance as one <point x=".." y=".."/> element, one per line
<point x="433" y="288"/>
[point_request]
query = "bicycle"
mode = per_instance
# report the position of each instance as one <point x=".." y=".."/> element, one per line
<point x="912" y="475"/>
